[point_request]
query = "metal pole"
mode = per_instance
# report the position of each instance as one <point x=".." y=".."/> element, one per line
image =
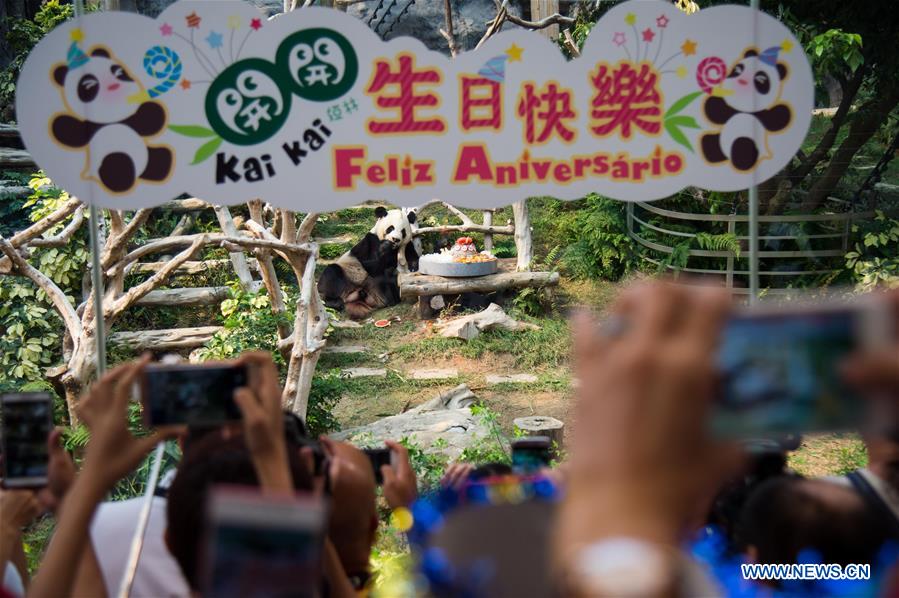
<point x="754" y="205"/>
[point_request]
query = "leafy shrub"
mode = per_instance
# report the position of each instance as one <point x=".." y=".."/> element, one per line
<point x="874" y="260"/>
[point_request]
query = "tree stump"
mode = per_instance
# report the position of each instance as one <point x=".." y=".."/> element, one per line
<point x="542" y="425"/>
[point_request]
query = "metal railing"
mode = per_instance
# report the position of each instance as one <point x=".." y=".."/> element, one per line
<point x="835" y="226"/>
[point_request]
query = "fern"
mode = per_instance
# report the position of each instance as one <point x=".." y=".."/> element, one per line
<point x="720" y="242"/>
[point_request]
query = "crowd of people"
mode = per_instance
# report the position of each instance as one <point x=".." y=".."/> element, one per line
<point x="643" y="478"/>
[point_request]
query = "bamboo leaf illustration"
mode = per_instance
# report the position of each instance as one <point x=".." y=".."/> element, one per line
<point x="677" y="135"/>
<point x="682" y="103"/>
<point x="206" y="150"/>
<point x="683" y="121"/>
<point x="192" y="130"/>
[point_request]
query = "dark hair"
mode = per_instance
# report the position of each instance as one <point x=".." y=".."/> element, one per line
<point x="210" y="461"/>
<point x="785" y="516"/>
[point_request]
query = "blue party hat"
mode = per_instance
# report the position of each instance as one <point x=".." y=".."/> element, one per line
<point x="769" y="56"/>
<point x="76" y="57"/>
<point x="495" y="69"/>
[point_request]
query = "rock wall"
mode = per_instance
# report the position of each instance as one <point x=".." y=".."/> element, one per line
<point x="421" y="19"/>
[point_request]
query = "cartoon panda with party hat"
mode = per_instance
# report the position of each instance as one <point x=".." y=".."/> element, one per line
<point x="110" y="117"/>
<point x="746" y="107"/>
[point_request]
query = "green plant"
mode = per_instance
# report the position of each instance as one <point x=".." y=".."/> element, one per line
<point x="874" y="259"/>
<point x="492" y="448"/>
<point x="428" y="466"/>
<point x="536" y="301"/>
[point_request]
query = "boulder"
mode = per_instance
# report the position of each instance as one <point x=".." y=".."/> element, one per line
<point x="492" y="318"/>
<point x="447" y="416"/>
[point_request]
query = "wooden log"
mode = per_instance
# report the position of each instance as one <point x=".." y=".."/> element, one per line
<point x="8" y="192"/>
<point x="488" y="237"/>
<point x="186" y="296"/>
<point x="8" y="132"/>
<point x="191" y="267"/>
<point x="340" y="240"/>
<point x="542" y="425"/>
<point x="164" y="340"/>
<point x="466" y="228"/>
<point x="524" y="245"/>
<point x="15" y="158"/>
<point x="185" y="205"/>
<point x="415" y="284"/>
<point x="237" y="257"/>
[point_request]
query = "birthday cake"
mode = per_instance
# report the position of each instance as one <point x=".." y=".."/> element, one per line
<point x="461" y="260"/>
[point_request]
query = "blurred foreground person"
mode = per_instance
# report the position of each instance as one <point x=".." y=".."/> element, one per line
<point x="642" y="462"/>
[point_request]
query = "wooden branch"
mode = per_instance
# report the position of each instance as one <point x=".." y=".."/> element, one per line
<point x="190" y="267"/>
<point x="267" y="271"/>
<point x="466" y="228"/>
<point x="64" y="235"/>
<point x="133" y="294"/>
<point x="15" y="158"/>
<point x="184" y="224"/>
<point x="571" y="44"/>
<point x="524" y="246"/>
<point x="185" y="205"/>
<point x="237" y="257"/>
<point x="449" y="34"/>
<point x="54" y="293"/>
<point x="304" y="232"/>
<point x="553" y="19"/>
<point x="120" y="234"/>
<point x="494" y="26"/>
<point x="45" y="224"/>
<point x="165" y="339"/>
<point x="161" y="245"/>
<point x="184" y="296"/>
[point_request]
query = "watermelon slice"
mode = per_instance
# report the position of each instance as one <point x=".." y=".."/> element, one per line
<point x="382" y="323"/>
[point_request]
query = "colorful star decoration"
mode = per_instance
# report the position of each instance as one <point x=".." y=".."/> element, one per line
<point x="77" y="35"/>
<point x="185" y="84"/>
<point x="214" y="39"/>
<point x="165" y="29"/>
<point x="233" y="22"/>
<point x="662" y="21"/>
<point x="688" y="47"/>
<point x="255" y="24"/>
<point x="630" y="18"/>
<point x="514" y="53"/>
<point x="681" y="71"/>
<point x="618" y="39"/>
<point x="193" y="20"/>
<point x="648" y="35"/>
<point x="786" y="45"/>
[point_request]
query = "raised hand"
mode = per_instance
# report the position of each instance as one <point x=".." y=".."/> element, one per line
<point x="400" y="485"/>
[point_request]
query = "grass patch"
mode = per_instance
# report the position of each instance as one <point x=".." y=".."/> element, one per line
<point x="829" y="454"/>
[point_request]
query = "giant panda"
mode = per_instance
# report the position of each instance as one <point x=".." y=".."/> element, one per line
<point x="104" y="121"/>
<point x="365" y="278"/>
<point x="746" y="107"/>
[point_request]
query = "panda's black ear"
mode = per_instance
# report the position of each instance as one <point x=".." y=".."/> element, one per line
<point x="751" y="52"/>
<point x="380" y="212"/>
<point x="100" y="52"/>
<point x="59" y="74"/>
<point x="782" y="70"/>
<point x="412" y="217"/>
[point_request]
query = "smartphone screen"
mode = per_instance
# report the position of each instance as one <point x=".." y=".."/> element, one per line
<point x="27" y="423"/>
<point x="263" y="546"/>
<point x="780" y="372"/>
<point x="378" y="457"/>
<point x="191" y="394"/>
<point x="531" y="454"/>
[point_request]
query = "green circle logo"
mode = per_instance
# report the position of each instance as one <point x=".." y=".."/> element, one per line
<point x="246" y="104"/>
<point x="320" y="64"/>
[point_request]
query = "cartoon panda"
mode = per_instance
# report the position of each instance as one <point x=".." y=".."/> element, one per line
<point x="365" y="278"/>
<point x="746" y="107"/>
<point x="106" y="119"/>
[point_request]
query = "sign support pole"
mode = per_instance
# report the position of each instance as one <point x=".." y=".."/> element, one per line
<point x="754" y="211"/>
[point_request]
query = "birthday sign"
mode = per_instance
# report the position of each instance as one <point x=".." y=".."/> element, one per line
<point x="313" y="111"/>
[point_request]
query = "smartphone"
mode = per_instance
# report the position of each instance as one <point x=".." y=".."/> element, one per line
<point x="27" y="420"/>
<point x="531" y="454"/>
<point x="295" y="431"/>
<point x="378" y="457"/>
<point x="260" y="545"/>
<point x="196" y="394"/>
<point x="780" y="367"/>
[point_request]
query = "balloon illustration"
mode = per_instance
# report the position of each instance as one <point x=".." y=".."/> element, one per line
<point x="710" y="72"/>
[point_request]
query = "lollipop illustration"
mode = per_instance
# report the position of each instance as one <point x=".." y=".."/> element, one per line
<point x="710" y="72"/>
<point x="161" y="63"/>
